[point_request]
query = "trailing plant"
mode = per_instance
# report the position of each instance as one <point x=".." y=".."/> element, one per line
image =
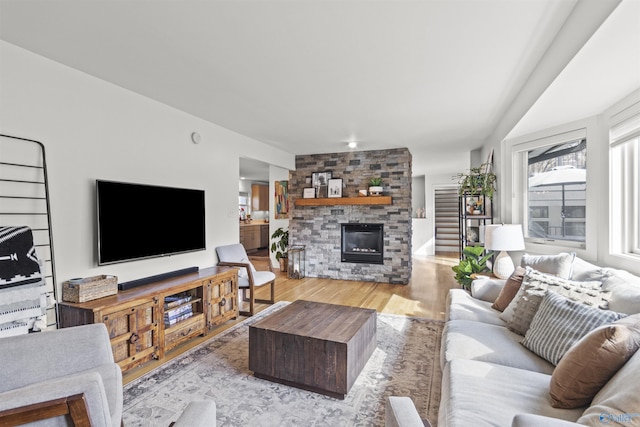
<point x="281" y="243"/>
<point x="479" y="181"/>
<point x="473" y="261"/>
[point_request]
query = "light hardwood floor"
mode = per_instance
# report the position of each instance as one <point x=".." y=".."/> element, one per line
<point x="424" y="296"/>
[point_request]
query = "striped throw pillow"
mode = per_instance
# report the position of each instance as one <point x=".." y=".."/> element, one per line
<point x="536" y="284"/>
<point x="559" y="323"/>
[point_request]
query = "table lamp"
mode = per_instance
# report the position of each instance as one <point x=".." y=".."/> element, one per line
<point x="503" y="238"/>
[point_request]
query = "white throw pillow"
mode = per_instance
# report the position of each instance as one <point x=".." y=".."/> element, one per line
<point x="560" y="265"/>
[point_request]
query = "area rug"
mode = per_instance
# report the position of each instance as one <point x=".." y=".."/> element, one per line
<point x="405" y="363"/>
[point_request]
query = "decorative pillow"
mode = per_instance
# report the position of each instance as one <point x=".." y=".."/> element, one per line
<point x="592" y="361"/>
<point x="625" y="291"/>
<point x="509" y="290"/>
<point x="559" y="265"/>
<point x="535" y="285"/>
<point x="624" y="288"/>
<point x="559" y="323"/>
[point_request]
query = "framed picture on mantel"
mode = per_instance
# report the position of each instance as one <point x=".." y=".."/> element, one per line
<point x="309" y="193"/>
<point x="335" y="187"/>
<point x="319" y="181"/>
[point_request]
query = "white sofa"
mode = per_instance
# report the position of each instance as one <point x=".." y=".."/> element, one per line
<point x="491" y="379"/>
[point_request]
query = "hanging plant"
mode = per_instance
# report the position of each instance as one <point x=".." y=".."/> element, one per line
<point x="478" y="182"/>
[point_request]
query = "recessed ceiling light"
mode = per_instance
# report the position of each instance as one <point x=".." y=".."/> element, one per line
<point x="352" y="144"/>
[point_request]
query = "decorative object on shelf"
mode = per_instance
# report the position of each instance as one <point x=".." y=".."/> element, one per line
<point x="475" y="206"/>
<point x="472" y="235"/>
<point x="281" y="201"/>
<point x="375" y="186"/>
<point x="280" y="245"/>
<point x="479" y="181"/>
<point x="362" y="193"/>
<point x="503" y="238"/>
<point x="320" y="181"/>
<point x="309" y="193"/>
<point x="474" y="261"/>
<point x="335" y="187"/>
<point x="296" y="262"/>
<point x="89" y="288"/>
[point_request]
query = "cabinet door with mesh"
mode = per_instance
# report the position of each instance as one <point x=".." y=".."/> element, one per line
<point x="134" y="333"/>
<point x="223" y="298"/>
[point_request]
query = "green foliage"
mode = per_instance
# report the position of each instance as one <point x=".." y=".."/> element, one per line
<point x="376" y="181"/>
<point x="279" y="246"/>
<point x="473" y="262"/>
<point x="477" y="182"/>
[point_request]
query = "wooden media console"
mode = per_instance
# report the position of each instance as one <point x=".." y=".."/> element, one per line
<point x="146" y="321"/>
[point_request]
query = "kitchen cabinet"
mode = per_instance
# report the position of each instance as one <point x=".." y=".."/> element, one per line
<point x="250" y="236"/>
<point x="264" y="236"/>
<point x="254" y="236"/>
<point x="259" y="197"/>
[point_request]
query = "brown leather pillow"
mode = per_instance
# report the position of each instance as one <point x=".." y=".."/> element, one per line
<point x="509" y="290"/>
<point x="592" y="361"/>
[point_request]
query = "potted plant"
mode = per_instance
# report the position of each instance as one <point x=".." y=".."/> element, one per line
<point x="478" y="181"/>
<point x="280" y="245"/>
<point x="473" y="262"/>
<point x="375" y="186"/>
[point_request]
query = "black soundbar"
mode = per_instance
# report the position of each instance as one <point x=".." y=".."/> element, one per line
<point x="146" y="280"/>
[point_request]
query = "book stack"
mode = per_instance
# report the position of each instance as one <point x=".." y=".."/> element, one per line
<point x="176" y="308"/>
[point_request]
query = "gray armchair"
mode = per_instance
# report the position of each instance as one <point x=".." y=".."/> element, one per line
<point x="248" y="277"/>
<point x="68" y="377"/>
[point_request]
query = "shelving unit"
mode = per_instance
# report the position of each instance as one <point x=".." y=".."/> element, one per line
<point x="334" y="201"/>
<point x="184" y="317"/>
<point x="474" y="212"/>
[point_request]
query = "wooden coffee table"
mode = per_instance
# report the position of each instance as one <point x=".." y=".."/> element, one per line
<point x="314" y="346"/>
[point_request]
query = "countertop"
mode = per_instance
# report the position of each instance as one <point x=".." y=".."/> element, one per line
<point x="253" y="223"/>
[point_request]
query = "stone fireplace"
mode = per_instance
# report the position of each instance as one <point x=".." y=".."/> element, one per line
<point x="319" y="228"/>
<point x="362" y="243"/>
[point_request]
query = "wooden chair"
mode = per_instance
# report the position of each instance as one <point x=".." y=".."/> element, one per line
<point x="73" y="406"/>
<point x="248" y="278"/>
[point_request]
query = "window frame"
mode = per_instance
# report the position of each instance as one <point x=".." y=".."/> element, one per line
<point x="624" y="221"/>
<point x="513" y="184"/>
<point x="516" y="184"/>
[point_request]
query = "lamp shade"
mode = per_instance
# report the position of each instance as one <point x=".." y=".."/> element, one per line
<point x="504" y="237"/>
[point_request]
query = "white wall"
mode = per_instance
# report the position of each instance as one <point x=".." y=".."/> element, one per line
<point x="95" y="130"/>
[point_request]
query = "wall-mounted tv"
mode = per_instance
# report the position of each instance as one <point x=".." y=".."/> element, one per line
<point x="138" y="221"/>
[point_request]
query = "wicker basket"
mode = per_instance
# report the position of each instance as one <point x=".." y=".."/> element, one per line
<point x="89" y="288"/>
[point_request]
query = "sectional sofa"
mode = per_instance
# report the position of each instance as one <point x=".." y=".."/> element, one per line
<point x="554" y="345"/>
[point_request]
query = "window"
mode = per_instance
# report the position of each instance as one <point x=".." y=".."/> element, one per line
<point x="624" y="157"/>
<point x="557" y="191"/>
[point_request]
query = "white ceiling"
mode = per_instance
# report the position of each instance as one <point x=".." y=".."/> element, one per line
<point x="306" y="76"/>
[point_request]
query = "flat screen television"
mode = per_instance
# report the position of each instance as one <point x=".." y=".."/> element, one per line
<point x="137" y="221"/>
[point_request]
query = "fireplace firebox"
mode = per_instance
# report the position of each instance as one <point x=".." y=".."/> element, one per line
<point x="362" y="243"/>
